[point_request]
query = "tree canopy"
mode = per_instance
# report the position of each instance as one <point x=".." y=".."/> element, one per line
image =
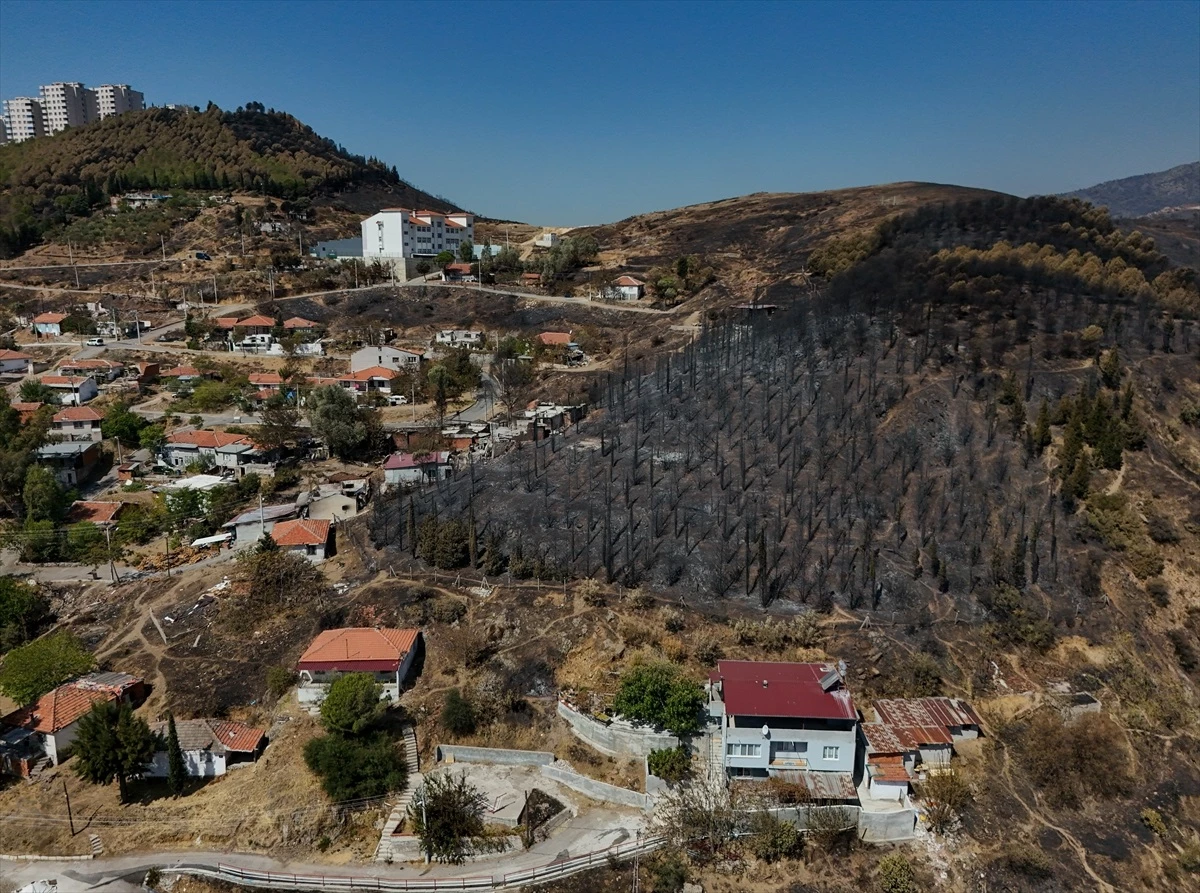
<point x="31" y="670"/>
<point x="112" y="744"/>
<point x="352" y="704"/>
<point x="659" y="695"/>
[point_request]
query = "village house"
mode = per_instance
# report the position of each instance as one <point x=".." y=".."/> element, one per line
<point x="211" y="747"/>
<point x="458" y="273"/>
<point x="72" y="390"/>
<point x="394" y="358"/>
<point x="793" y="721"/>
<point x="555" y="339"/>
<point x="184" y="374"/>
<point x="388" y="654"/>
<point x="71" y="461"/>
<point x="103" y="514"/>
<point x="26" y="411"/>
<point x="308" y="537"/>
<point x="48" y="323"/>
<point x="531" y="279"/>
<point x="248" y="527"/>
<point x="46" y="728"/>
<point x="266" y="380"/>
<point x="300" y="324"/>
<point x="459" y="338"/>
<point x="101" y="370"/>
<point x="145" y="373"/>
<point x="626" y="288"/>
<point x="258" y="324"/>
<point x="234" y="453"/>
<point x="407" y="469"/>
<point x="912" y="734"/>
<point x="372" y="380"/>
<point x="76" y="423"/>
<point x="13" y="362"/>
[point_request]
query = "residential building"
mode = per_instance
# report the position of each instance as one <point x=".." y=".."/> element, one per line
<point x="48" y="323"/>
<point x="546" y="240"/>
<point x="458" y="273"/>
<point x="393" y="358"/>
<point x="795" y="721"/>
<point x="76" y="423"/>
<point x="338" y="249"/>
<point x="266" y="380"/>
<point x="26" y="411"/>
<point x="106" y="370"/>
<point x="68" y="104"/>
<point x="459" y="338"/>
<point x="234" y="453"/>
<point x="3" y="130"/>
<point x="116" y="99"/>
<point x="400" y="233"/>
<point x="388" y="654"/>
<point x="300" y="324"/>
<point x="311" y="538"/>
<point x="48" y="726"/>
<point x="71" y="461"/>
<point x="911" y="735"/>
<point x="406" y="469"/>
<point x="373" y="380"/>
<point x="183" y="373"/>
<point x="248" y="527"/>
<point x="72" y="390"/>
<point x="626" y="288"/>
<point x="955" y="715"/>
<point x="555" y="339"/>
<point x="13" y="362"/>
<point x="210" y="746"/>
<point x="25" y="118"/>
<point x="137" y="200"/>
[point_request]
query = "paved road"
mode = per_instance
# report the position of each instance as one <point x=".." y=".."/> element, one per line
<point x="594" y="830"/>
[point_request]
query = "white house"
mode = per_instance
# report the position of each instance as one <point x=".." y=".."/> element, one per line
<point x="76" y="423"/>
<point x="395" y="358"/>
<point x="626" y="288"/>
<point x="72" y="390"/>
<point x="311" y="538"/>
<point x="402" y="469"/>
<point x="388" y="654"/>
<point x="235" y="453"/>
<point x="249" y="526"/>
<point x="546" y="240"/>
<point x="14" y="362"/>
<point x="790" y="720"/>
<point x="210" y="746"/>
<point x="48" y="323"/>
<point x="400" y="233"/>
<point x="459" y="338"/>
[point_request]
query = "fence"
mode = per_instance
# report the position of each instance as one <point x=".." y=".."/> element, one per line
<point x="284" y="881"/>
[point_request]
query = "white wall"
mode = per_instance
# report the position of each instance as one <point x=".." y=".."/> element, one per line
<point x="198" y="763"/>
<point x="816" y="740"/>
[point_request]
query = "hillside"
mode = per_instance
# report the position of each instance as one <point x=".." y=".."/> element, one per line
<point x="1145" y="194"/>
<point x="975" y="453"/>
<point x="47" y="182"/>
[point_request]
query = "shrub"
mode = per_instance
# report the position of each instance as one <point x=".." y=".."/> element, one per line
<point x="774" y="839"/>
<point x="356" y="768"/>
<point x="672" y="764"/>
<point x="1185" y="652"/>
<point x="31" y="670"/>
<point x="592" y="593"/>
<point x="1023" y="859"/>
<point x="709" y="652"/>
<point x="1153" y="820"/>
<point x="896" y="874"/>
<point x="458" y="713"/>
<point x="279" y="680"/>
<point x="946" y="795"/>
<point x="448" y="610"/>
<point x="668" y="874"/>
<point x="352" y="704"/>
<point x="1070" y="761"/>
<point x="658" y="695"/>
<point x="1161" y="529"/>
<point x="1158" y="592"/>
<point x="803" y="630"/>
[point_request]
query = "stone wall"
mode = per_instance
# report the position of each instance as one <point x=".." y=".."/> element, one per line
<point x="597" y="790"/>
<point x="455" y="753"/>
<point x="618" y="738"/>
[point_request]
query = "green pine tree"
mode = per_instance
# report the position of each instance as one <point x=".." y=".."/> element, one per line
<point x="176" y="768"/>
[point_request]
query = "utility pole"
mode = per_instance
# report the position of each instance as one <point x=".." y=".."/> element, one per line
<point x="162" y="240"/>
<point x="242" y="236"/>
<point x="70" y="815"/>
<point x="424" y="823"/>
<point x="214" y="289"/>
<point x="167" y="539"/>
<point x="262" y="524"/>
<point x="74" y="269"/>
<point x="112" y="565"/>
<point x="271" y="276"/>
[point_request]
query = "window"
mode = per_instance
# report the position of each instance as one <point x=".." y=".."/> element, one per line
<point x="829" y="753"/>
<point x="790" y="747"/>
<point x="743" y="750"/>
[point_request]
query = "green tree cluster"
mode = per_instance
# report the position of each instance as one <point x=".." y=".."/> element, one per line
<point x="112" y="744"/>
<point x="32" y="669"/>
<point x="658" y="694"/>
<point x="446" y="813"/>
<point x="23" y="612"/>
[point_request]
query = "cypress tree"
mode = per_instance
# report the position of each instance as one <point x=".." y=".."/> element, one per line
<point x="1041" y="431"/>
<point x="176" y="768"/>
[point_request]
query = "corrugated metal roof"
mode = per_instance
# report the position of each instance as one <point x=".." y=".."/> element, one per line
<point x="822" y="785"/>
<point x="885" y="738"/>
<point x="769" y="688"/>
<point x="925" y="712"/>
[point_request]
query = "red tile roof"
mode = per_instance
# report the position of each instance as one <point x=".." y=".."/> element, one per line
<point x="56" y="710"/>
<point x="65" y="380"/>
<point x="299" y="322"/>
<point x="257" y="320"/>
<point x="629" y="281"/>
<point x="91" y="364"/>
<point x="926" y="712"/>
<point x="261" y="378"/>
<point x="457" y="268"/>
<point x="888" y="769"/>
<point x="207" y="439"/>
<point x="358" y="649"/>
<point x="77" y="414"/>
<point x="181" y="372"/>
<point x="49" y="317"/>
<point x="304" y="532"/>
<point x="14" y="355"/>
<point x="768" y="688"/>
<point x="555" y="337"/>
<point x="95" y="512"/>
<point x="225" y="322"/>
<point x="369" y="373"/>
<point x="27" y="409"/>
<point x="215" y="735"/>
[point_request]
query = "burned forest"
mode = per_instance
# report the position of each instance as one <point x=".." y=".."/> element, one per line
<point x="881" y="455"/>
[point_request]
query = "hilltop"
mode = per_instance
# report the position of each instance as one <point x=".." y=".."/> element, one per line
<point x="48" y="182"/>
<point x="1138" y="196"/>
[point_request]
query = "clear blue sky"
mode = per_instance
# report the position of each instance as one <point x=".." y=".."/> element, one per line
<point x="569" y="113"/>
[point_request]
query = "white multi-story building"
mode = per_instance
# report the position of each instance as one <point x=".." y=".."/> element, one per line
<point x="68" y="104"/>
<point x="25" y="118"/>
<point x="116" y="99"/>
<point x="399" y="232"/>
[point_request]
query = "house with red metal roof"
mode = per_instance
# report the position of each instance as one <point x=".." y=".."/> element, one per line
<point x="911" y="735"/>
<point x="794" y="721"/>
<point x="305" y="536"/>
<point x="210" y="746"/>
<point x="387" y="654"/>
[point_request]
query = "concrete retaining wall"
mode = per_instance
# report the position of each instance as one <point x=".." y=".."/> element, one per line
<point x="457" y="753"/>
<point x="618" y="738"/>
<point x="597" y="790"/>
<point x="887" y="827"/>
<point x="405" y="848"/>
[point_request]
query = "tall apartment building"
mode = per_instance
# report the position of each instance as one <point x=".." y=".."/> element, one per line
<point x="399" y="232"/>
<point x="68" y="105"/>
<point x="25" y="119"/>
<point x="116" y="99"/>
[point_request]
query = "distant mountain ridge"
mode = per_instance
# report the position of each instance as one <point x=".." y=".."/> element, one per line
<point x="1138" y="196"/>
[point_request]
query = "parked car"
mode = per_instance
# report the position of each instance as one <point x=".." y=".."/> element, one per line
<point x="397" y="400"/>
<point x="95" y="342"/>
<point x="200" y="255"/>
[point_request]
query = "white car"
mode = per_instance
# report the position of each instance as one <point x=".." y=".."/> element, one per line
<point x="397" y="400"/>
<point x="95" y="342"/>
